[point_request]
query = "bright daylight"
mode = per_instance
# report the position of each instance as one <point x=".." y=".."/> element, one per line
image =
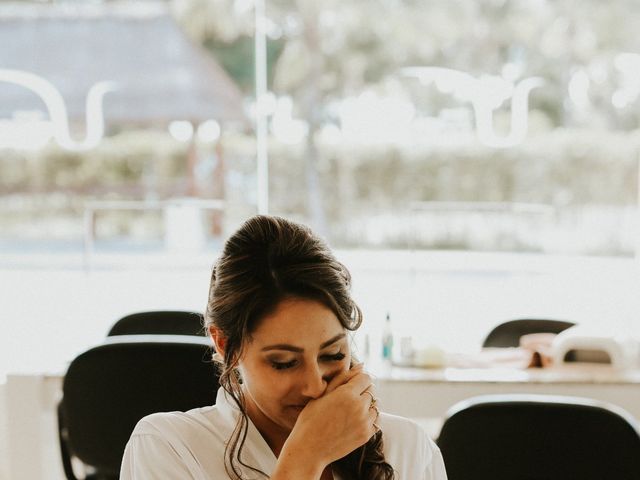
<point x="382" y="239"/>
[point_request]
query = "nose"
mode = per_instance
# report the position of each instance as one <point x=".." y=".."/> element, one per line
<point x="314" y="381"/>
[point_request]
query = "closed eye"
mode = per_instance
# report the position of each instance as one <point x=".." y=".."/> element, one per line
<point x="336" y="357"/>
<point x="283" y="365"/>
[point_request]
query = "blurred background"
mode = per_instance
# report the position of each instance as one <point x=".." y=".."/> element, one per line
<point x="470" y="162"/>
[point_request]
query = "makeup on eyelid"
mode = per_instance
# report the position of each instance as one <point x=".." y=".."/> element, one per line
<point x="283" y="364"/>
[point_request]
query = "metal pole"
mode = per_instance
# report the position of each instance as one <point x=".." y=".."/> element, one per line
<point x="261" y="116"/>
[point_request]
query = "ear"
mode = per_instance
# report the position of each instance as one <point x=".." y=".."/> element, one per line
<point x="218" y="338"/>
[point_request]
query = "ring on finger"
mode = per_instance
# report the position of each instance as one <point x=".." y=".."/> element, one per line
<point x="374" y="400"/>
<point x="377" y="413"/>
<point x="375" y="420"/>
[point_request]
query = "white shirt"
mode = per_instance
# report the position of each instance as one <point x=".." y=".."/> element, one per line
<point x="190" y="445"/>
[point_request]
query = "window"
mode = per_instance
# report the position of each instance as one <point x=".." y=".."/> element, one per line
<point x="471" y="161"/>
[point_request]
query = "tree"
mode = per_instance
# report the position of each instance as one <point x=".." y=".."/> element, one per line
<point x="332" y="50"/>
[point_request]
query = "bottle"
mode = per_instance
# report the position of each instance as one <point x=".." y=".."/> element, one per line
<point x="387" y="341"/>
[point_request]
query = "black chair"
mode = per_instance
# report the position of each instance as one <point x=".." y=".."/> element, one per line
<point x="539" y="437"/>
<point x="159" y="323"/>
<point x="508" y="334"/>
<point x="108" y="388"/>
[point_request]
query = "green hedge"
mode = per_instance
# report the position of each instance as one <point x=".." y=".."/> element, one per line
<point x="567" y="169"/>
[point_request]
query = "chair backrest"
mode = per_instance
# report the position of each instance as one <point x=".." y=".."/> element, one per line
<point x="508" y="334"/>
<point x="539" y="437"/>
<point x="159" y="323"/>
<point x="108" y="388"/>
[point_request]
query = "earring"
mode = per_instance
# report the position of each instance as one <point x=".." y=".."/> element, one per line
<point x="216" y="357"/>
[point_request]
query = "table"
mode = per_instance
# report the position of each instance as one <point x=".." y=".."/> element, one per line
<point x="429" y="393"/>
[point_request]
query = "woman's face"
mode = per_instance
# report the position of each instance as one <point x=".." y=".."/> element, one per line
<point x="291" y="356"/>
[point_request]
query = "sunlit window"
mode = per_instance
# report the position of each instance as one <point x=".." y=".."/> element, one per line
<point x="471" y="161"/>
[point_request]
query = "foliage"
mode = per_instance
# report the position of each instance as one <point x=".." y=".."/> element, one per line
<point x="565" y="168"/>
<point x="336" y="49"/>
<point x="581" y="151"/>
<point x="237" y="59"/>
<point x="571" y="171"/>
<point x="357" y="44"/>
<point x="131" y="164"/>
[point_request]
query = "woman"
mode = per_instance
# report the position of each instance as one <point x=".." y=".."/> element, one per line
<point x="293" y="402"/>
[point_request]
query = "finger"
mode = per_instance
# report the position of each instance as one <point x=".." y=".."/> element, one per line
<point x="358" y="383"/>
<point x="357" y="366"/>
<point x="371" y="390"/>
<point x="374" y="415"/>
<point x="369" y="394"/>
<point x="343" y="377"/>
<point x="375" y="411"/>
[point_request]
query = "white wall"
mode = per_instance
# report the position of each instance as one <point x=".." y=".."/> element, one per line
<point x="4" y="440"/>
<point x="32" y="450"/>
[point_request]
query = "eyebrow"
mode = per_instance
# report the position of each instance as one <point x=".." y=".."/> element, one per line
<point x="292" y="348"/>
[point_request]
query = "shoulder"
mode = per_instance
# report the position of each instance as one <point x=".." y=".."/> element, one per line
<point x="174" y="445"/>
<point x="409" y="449"/>
<point x="186" y="433"/>
<point x="167" y="423"/>
<point x="401" y="429"/>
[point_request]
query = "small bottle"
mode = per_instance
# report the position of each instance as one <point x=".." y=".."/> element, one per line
<point x="387" y="341"/>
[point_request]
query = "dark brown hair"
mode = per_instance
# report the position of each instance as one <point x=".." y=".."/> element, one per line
<point x="267" y="260"/>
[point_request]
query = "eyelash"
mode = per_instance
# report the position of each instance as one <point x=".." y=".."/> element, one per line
<point x="285" y="365"/>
